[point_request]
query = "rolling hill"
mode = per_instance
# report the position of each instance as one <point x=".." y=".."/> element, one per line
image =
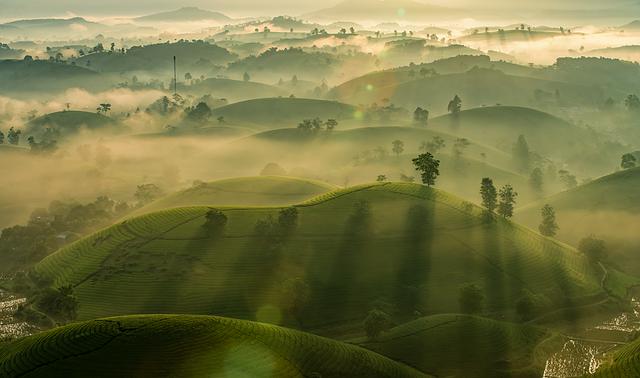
<point x="283" y="112"/>
<point x="389" y="10"/>
<point x="624" y="362"/>
<point x="185" y="14"/>
<point x="188" y="346"/>
<point x="243" y="191"/>
<point x="477" y="87"/>
<point x="464" y="346"/>
<point x="233" y="90"/>
<point x="197" y="56"/>
<point x="24" y="78"/>
<point x="610" y="204"/>
<point x="341" y="252"/>
<point x="69" y="122"/>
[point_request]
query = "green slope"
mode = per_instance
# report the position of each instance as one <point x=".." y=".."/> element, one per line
<point x="412" y="236"/>
<point x="20" y="77"/>
<point x="69" y="122"/>
<point x="623" y="363"/>
<point x="464" y="346"/>
<point x="233" y="90"/>
<point x="188" y="346"/>
<point x="283" y="112"/>
<point x="476" y="87"/>
<point x="607" y="207"/>
<point x="243" y="191"/>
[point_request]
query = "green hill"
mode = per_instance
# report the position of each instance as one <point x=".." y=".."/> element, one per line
<point x="282" y="112"/>
<point x="196" y="57"/>
<point x="69" y="122"/>
<point x="233" y="90"/>
<point x="547" y="135"/>
<point x="510" y="36"/>
<point x="477" y="87"/>
<point x="244" y="191"/>
<point x="406" y="243"/>
<point x="623" y="363"/>
<point x="20" y="77"/>
<point x="610" y="206"/>
<point x="188" y="346"/>
<point x="464" y="346"/>
<point x="185" y="14"/>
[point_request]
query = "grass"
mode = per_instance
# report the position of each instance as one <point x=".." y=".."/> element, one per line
<point x="243" y="191"/>
<point x="464" y="346"/>
<point x="69" y="121"/>
<point x="234" y="90"/>
<point x="414" y="249"/>
<point x="188" y="346"/>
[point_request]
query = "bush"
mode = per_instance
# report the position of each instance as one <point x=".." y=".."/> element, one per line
<point x="377" y="322"/>
<point x="215" y="222"/>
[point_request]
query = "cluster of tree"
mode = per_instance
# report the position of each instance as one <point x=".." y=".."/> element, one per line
<point x="455" y="105"/>
<point x="316" y="124"/>
<point x="436" y="144"/>
<point x="272" y="233"/>
<point x="215" y="222"/>
<point x="199" y="113"/>
<point x="13" y="136"/>
<point x="376" y="322"/>
<point x="385" y="113"/>
<point x="502" y="201"/>
<point x="103" y="108"/>
<point x="49" y="229"/>
<point x="421" y="116"/>
<point x="46" y="146"/>
<point x="632" y="102"/>
<point x="593" y="248"/>
<point x="379" y="153"/>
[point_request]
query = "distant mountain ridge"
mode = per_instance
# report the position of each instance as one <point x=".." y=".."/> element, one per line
<point x="387" y="10"/>
<point x="185" y="14"/>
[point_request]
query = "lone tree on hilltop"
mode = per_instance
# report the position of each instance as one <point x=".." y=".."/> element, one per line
<point x="398" y="147"/>
<point x="594" y="249"/>
<point x="489" y="194"/>
<point x="215" y="222"/>
<point x="428" y="166"/>
<point x="628" y="161"/>
<point x="507" y="201"/>
<point x="548" y="226"/>
<point x="455" y="105"/>
<point x="377" y="322"/>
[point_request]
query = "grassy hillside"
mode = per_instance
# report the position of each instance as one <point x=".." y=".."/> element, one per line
<point x="244" y="191"/>
<point x="283" y="112"/>
<point x="476" y="87"/>
<point x="610" y="204"/>
<point x="233" y="90"/>
<point x="69" y="122"/>
<point x="194" y="56"/>
<point x="464" y="346"/>
<point x="510" y="36"/>
<point x="18" y="77"/>
<point x="547" y="135"/>
<point x="188" y="346"/>
<point x="411" y="245"/>
<point x="623" y="363"/>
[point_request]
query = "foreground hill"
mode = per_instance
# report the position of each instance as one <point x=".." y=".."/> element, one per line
<point x="623" y="363"/>
<point x="70" y="122"/>
<point x="340" y="255"/>
<point x="188" y="346"/>
<point x="282" y="112"/>
<point x="464" y="346"/>
<point x="244" y="191"/>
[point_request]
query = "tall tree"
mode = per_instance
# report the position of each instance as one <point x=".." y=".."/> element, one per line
<point x="398" y="147"/>
<point x="522" y="154"/>
<point x="421" y="116"/>
<point x="536" y="180"/>
<point x="548" y="226"/>
<point x="507" y="201"/>
<point x="455" y="105"/>
<point x="628" y="161"/>
<point x="246" y="76"/>
<point x="489" y="194"/>
<point x="428" y="166"/>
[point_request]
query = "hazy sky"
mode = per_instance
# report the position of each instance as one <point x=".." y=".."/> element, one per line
<point x="42" y="8"/>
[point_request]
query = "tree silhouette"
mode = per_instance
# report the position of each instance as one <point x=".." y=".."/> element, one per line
<point x="507" y="201"/>
<point x="548" y="226"/>
<point x="428" y="166"/>
<point x="398" y="147"/>
<point x="628" y="161"/>
<point x="455" y="105"/>
<point x="489" y="194"/>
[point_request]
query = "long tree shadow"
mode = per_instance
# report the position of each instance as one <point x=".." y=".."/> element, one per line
<point x="338" y="293"/>
<point x="414" y="272"/>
